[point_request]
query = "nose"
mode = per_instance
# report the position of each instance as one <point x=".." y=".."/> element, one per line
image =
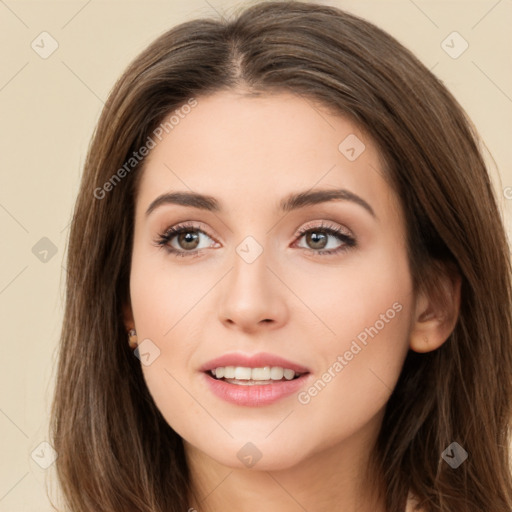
<point x="253" y="298"/>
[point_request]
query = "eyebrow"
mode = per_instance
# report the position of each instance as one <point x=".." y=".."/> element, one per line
<point x="293" y="201"/>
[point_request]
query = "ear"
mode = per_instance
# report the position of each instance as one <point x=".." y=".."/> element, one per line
<point x="436" y="313"/>
<point x="129" y="323"/>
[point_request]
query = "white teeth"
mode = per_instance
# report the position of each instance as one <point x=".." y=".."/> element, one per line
<point x="266" y="373"/>
<point x="242" y="373"/>
<point x="229" y="372"/>
<point x="261" y="373"/>
<point x="276" y="373"/>
<point x="288" y="374"/>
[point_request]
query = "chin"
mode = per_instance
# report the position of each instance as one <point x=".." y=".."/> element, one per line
<point x="253" y="455"/>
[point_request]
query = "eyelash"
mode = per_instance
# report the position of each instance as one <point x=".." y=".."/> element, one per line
<point x="163" y="239"/>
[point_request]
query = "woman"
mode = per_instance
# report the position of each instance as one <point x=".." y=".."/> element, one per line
<point x="288" y="282"/>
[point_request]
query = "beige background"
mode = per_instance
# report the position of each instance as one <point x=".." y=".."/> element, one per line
<point x="48" y="110"/>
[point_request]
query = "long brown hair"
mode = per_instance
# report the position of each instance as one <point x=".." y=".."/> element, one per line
<point x="116" y="452"/>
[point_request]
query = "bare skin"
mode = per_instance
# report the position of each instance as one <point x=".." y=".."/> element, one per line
<point x="292" y="301"/>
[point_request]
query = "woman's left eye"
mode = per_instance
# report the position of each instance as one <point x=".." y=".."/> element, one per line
<point x="318" y="237"/>
<point x="185" y="240"/>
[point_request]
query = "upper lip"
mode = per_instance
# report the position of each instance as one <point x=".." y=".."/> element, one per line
<point x="259" y="360"/>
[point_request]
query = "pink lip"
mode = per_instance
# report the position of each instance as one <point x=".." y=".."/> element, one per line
<point x="259" y="394"/>
<point x="259" y="360"/>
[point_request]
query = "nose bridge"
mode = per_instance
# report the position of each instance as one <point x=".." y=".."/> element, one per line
<point x="251" y="295"/>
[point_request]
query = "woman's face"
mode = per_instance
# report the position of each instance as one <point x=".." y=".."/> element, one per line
<point x="269" y="280"/>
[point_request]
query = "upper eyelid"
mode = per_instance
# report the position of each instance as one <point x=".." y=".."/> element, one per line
<point x="186" y="225"/>
<point x="325" y="224"/>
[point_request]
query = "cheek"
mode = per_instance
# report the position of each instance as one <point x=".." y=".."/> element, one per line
<point x="168" y="307"/>
<point x="352" y="295"/>
<point x="164" y="305"/>
<point x="163" y="295"/>
<point x="359" y="377"/>
<point x="371" y="319"/>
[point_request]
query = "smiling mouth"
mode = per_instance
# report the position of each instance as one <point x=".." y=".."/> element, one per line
<point x="247" y="376"/>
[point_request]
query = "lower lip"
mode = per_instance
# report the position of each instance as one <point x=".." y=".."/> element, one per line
<point x="257" y="395"/>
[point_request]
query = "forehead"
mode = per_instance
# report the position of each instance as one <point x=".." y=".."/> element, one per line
<point x="254" y="150"/>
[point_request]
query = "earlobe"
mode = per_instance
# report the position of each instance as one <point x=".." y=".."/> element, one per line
<point x="436" y="315"/>
<point x="129" y="325"/>
<point x="128" y="316"/>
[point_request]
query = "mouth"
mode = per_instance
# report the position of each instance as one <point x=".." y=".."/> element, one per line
<point x="254" y="380"/>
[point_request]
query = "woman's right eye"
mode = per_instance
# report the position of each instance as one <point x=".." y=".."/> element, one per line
<point x="183" y="240"/>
